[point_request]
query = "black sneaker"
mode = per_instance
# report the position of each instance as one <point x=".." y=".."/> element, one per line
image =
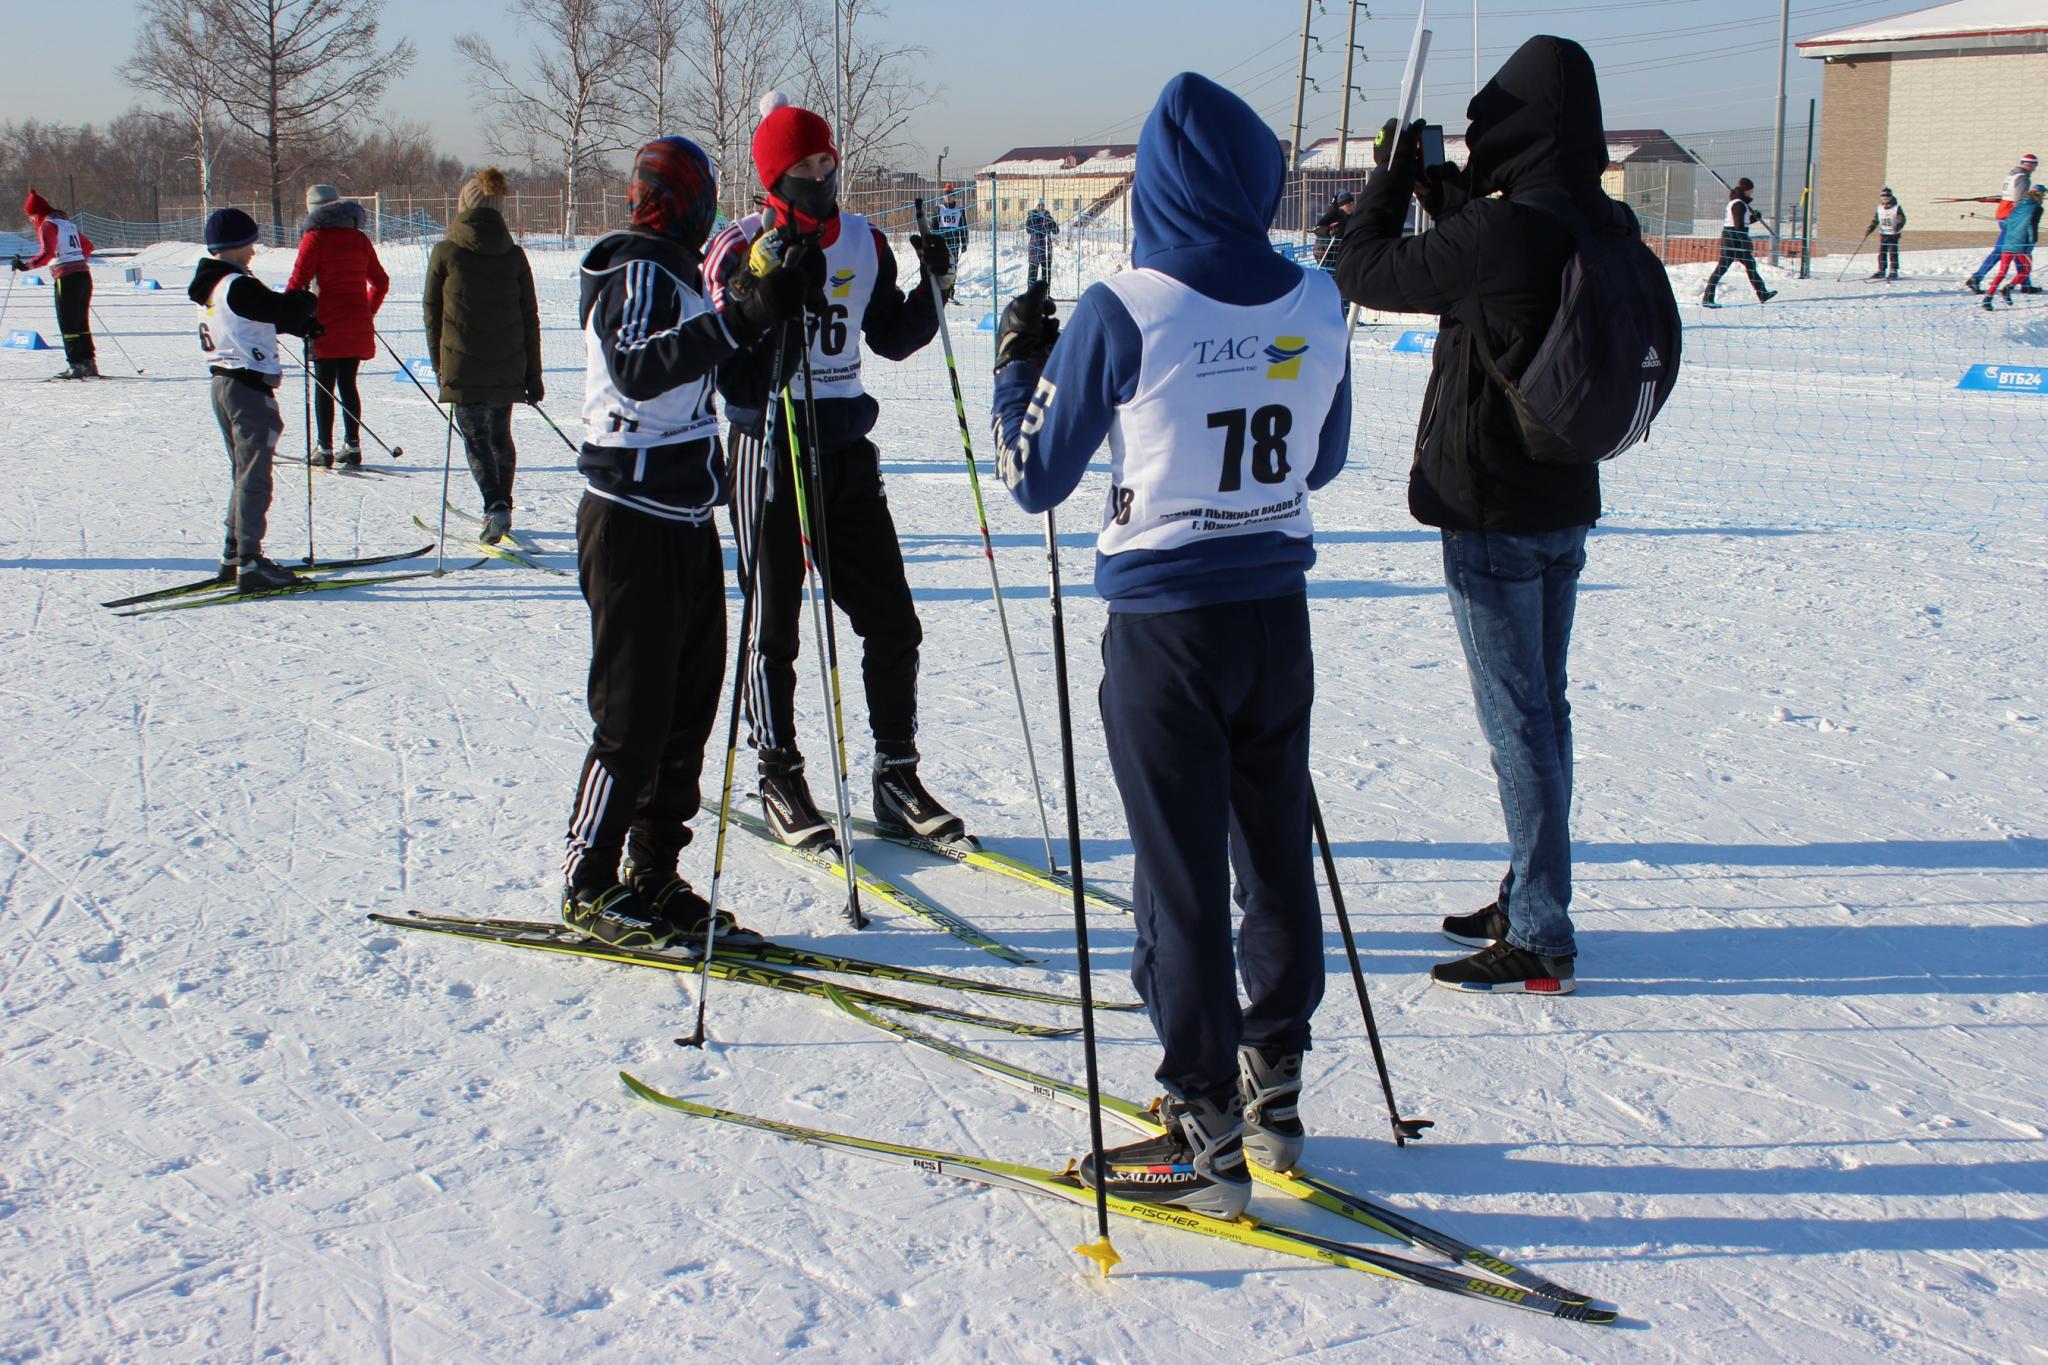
<point x="903" y="806"/>
<point x="1480" y="929"/>
<point x="786" y="803"/>
<point x="1504" y="969"/>
<point x="1269" y="1088"/>
<point x="1196" y="1164"/>
<point x="261" y="575"/>
<point x="674" y="903"/>
<point x="1767" y="296"/>
<point x="613" y="915"/>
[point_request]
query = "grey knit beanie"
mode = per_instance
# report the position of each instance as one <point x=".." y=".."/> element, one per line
<point x="316" y="195"/>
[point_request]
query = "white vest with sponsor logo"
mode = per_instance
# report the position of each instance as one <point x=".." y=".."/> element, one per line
<point x="851" y="268"/>
<point x="1728" y="217"/>
<point x="1888" y="216"/>
<point x="1223" y="427"/>
<point x="231" y="341"/>
<point x="671" y="417"/>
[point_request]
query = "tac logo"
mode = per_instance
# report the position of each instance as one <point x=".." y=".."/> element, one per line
<point x="1283" y="357"/>
<point x="842" y="283"/>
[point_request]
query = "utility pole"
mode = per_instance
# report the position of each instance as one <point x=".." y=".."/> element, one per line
<point x="1778" y="157"/>
<point x="1301" y="81"/>
<point x="1475" y="49"/>
<point x="839" y="79"/>
<point x="1350" y="51"/>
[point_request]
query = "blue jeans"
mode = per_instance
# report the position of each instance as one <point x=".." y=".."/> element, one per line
<point x="1512" y="595"/>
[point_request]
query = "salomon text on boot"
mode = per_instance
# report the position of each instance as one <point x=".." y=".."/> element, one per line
<point x="1196" y="1164"/>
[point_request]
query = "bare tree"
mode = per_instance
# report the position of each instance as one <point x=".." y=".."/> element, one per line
<point x="737" y="51"/>
<point x="173" y="58"/>
<point x="656" y="30"/>
<point x="570" y="103"/>
<point x="878" y="80"/>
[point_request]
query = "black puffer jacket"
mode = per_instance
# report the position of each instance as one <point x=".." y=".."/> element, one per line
<point x="483" y="324"/>
<point x="1535" y="126"/>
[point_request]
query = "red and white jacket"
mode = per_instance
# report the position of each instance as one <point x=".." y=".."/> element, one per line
<point x="61" y="245"/>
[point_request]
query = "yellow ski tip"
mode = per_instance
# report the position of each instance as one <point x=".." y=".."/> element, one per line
<point x="1102" y="1253"/>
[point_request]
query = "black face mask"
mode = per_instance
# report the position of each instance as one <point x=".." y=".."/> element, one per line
<point x="814" y="199"/>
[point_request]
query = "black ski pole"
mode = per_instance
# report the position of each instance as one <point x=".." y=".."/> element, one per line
<point x="307" y="388"/>
<point x="811" y="531"/>
<point x="1854" y="254"/>
<point x="395" y="452"/>
<point x="750" y="552"/>
<point x="1404" y="1129"/>
<point x="565" y="435"/>
<point x="111" y="335"/>
<point x="1100" y="1251"/>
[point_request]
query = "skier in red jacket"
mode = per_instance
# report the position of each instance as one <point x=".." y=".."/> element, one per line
<point x="338" y="262"/>
<point x="66" y="250"/>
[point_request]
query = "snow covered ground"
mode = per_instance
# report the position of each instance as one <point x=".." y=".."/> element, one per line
<point x="1796" y="1112"/>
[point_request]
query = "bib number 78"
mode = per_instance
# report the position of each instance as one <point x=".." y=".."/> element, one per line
<point x="1267" y="429"/>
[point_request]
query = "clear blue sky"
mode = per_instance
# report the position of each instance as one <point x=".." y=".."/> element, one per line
<point x="1086" y="70"/>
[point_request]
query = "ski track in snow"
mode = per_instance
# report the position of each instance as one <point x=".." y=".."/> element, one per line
<point x="1797" y="1111"/>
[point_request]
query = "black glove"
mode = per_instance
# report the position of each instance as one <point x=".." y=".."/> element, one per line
<point x="1430" y="186"/>
<point x="771" y="288"/>
<point x="1029" y="327"/>
<point x="936" y="259"/>
<point x="18" y="264"/>
<point x="535" y="390"/>
<point x="1387" y="148"/>
<point x="312" y="330"/>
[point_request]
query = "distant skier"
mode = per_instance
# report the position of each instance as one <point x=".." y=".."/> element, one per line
<point x="647" y="548"/>
<point x="1039" y="230"/>
<point x="1218" y="372"/>
<point x="951" y="222"/>
<point x="2017" y="182"/>
<point x="483" y="332"/>
<point x="857" y="300"/>
<point x="239" y="319"/>
<point x="1736" y="246"/>
<point x="1889" y="223"/>
<point x="2016" y="247"/>
<point x="1330" y="227"/>
<point x="338" y="262"/>
<point x="68" y="253"/>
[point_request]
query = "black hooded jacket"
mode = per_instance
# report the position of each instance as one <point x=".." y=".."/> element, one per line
<point x="1536" y="126"/>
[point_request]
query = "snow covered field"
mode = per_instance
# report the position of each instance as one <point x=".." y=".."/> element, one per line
<point x="1796" y="1112"/>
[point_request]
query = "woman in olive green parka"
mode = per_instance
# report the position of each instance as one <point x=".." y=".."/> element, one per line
<point x="483" y="328"/>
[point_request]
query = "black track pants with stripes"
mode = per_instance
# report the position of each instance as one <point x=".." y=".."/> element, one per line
<point x="656" y="592"/>
<point x="867" y="584"/>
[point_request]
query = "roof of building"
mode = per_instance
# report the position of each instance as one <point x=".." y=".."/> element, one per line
<point x="1961" y="26"/>
<point x="1113" y="158"/>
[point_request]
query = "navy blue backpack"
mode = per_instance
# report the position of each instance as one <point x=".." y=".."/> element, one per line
<point x="1610" y="358"/>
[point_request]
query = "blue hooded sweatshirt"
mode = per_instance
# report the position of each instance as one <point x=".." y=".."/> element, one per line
<point x="1208" y="180"/>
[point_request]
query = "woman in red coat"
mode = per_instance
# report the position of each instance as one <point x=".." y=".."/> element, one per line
<point x="337" y="262"/>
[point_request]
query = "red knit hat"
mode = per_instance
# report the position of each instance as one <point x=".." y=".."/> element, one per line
<point x="35" y="206"/>
<point x="786" y="136"/>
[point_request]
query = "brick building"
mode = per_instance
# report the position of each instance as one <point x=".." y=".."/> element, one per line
<point x="1938" y="104"/>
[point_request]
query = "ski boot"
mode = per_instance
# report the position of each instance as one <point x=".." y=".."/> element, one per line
<point x="69" y="372"/>
<point x="1269" y="1087"/>
<point x="2006" y="294"/>
<point x="261" y="575"/>
<point x="1987" y="303"/>
<point x="786" y="802"/>
<point x="1974" y="285"/>
<point x="1767" y="296"/>
<point x="497" y="524"/>
<point x="675" y="904"/>
<point x="1707" y="300"/>
<point x="903" y="806"/>
<point x="1481" y="929"/>
<point x="1504" y="969"/>
<point x="351" y="456"/>
<point x="1196" y="1164"/>
<point x="323" y="457"/>
<point x="1878" y="276"/>
<point x="613" y="915"/>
